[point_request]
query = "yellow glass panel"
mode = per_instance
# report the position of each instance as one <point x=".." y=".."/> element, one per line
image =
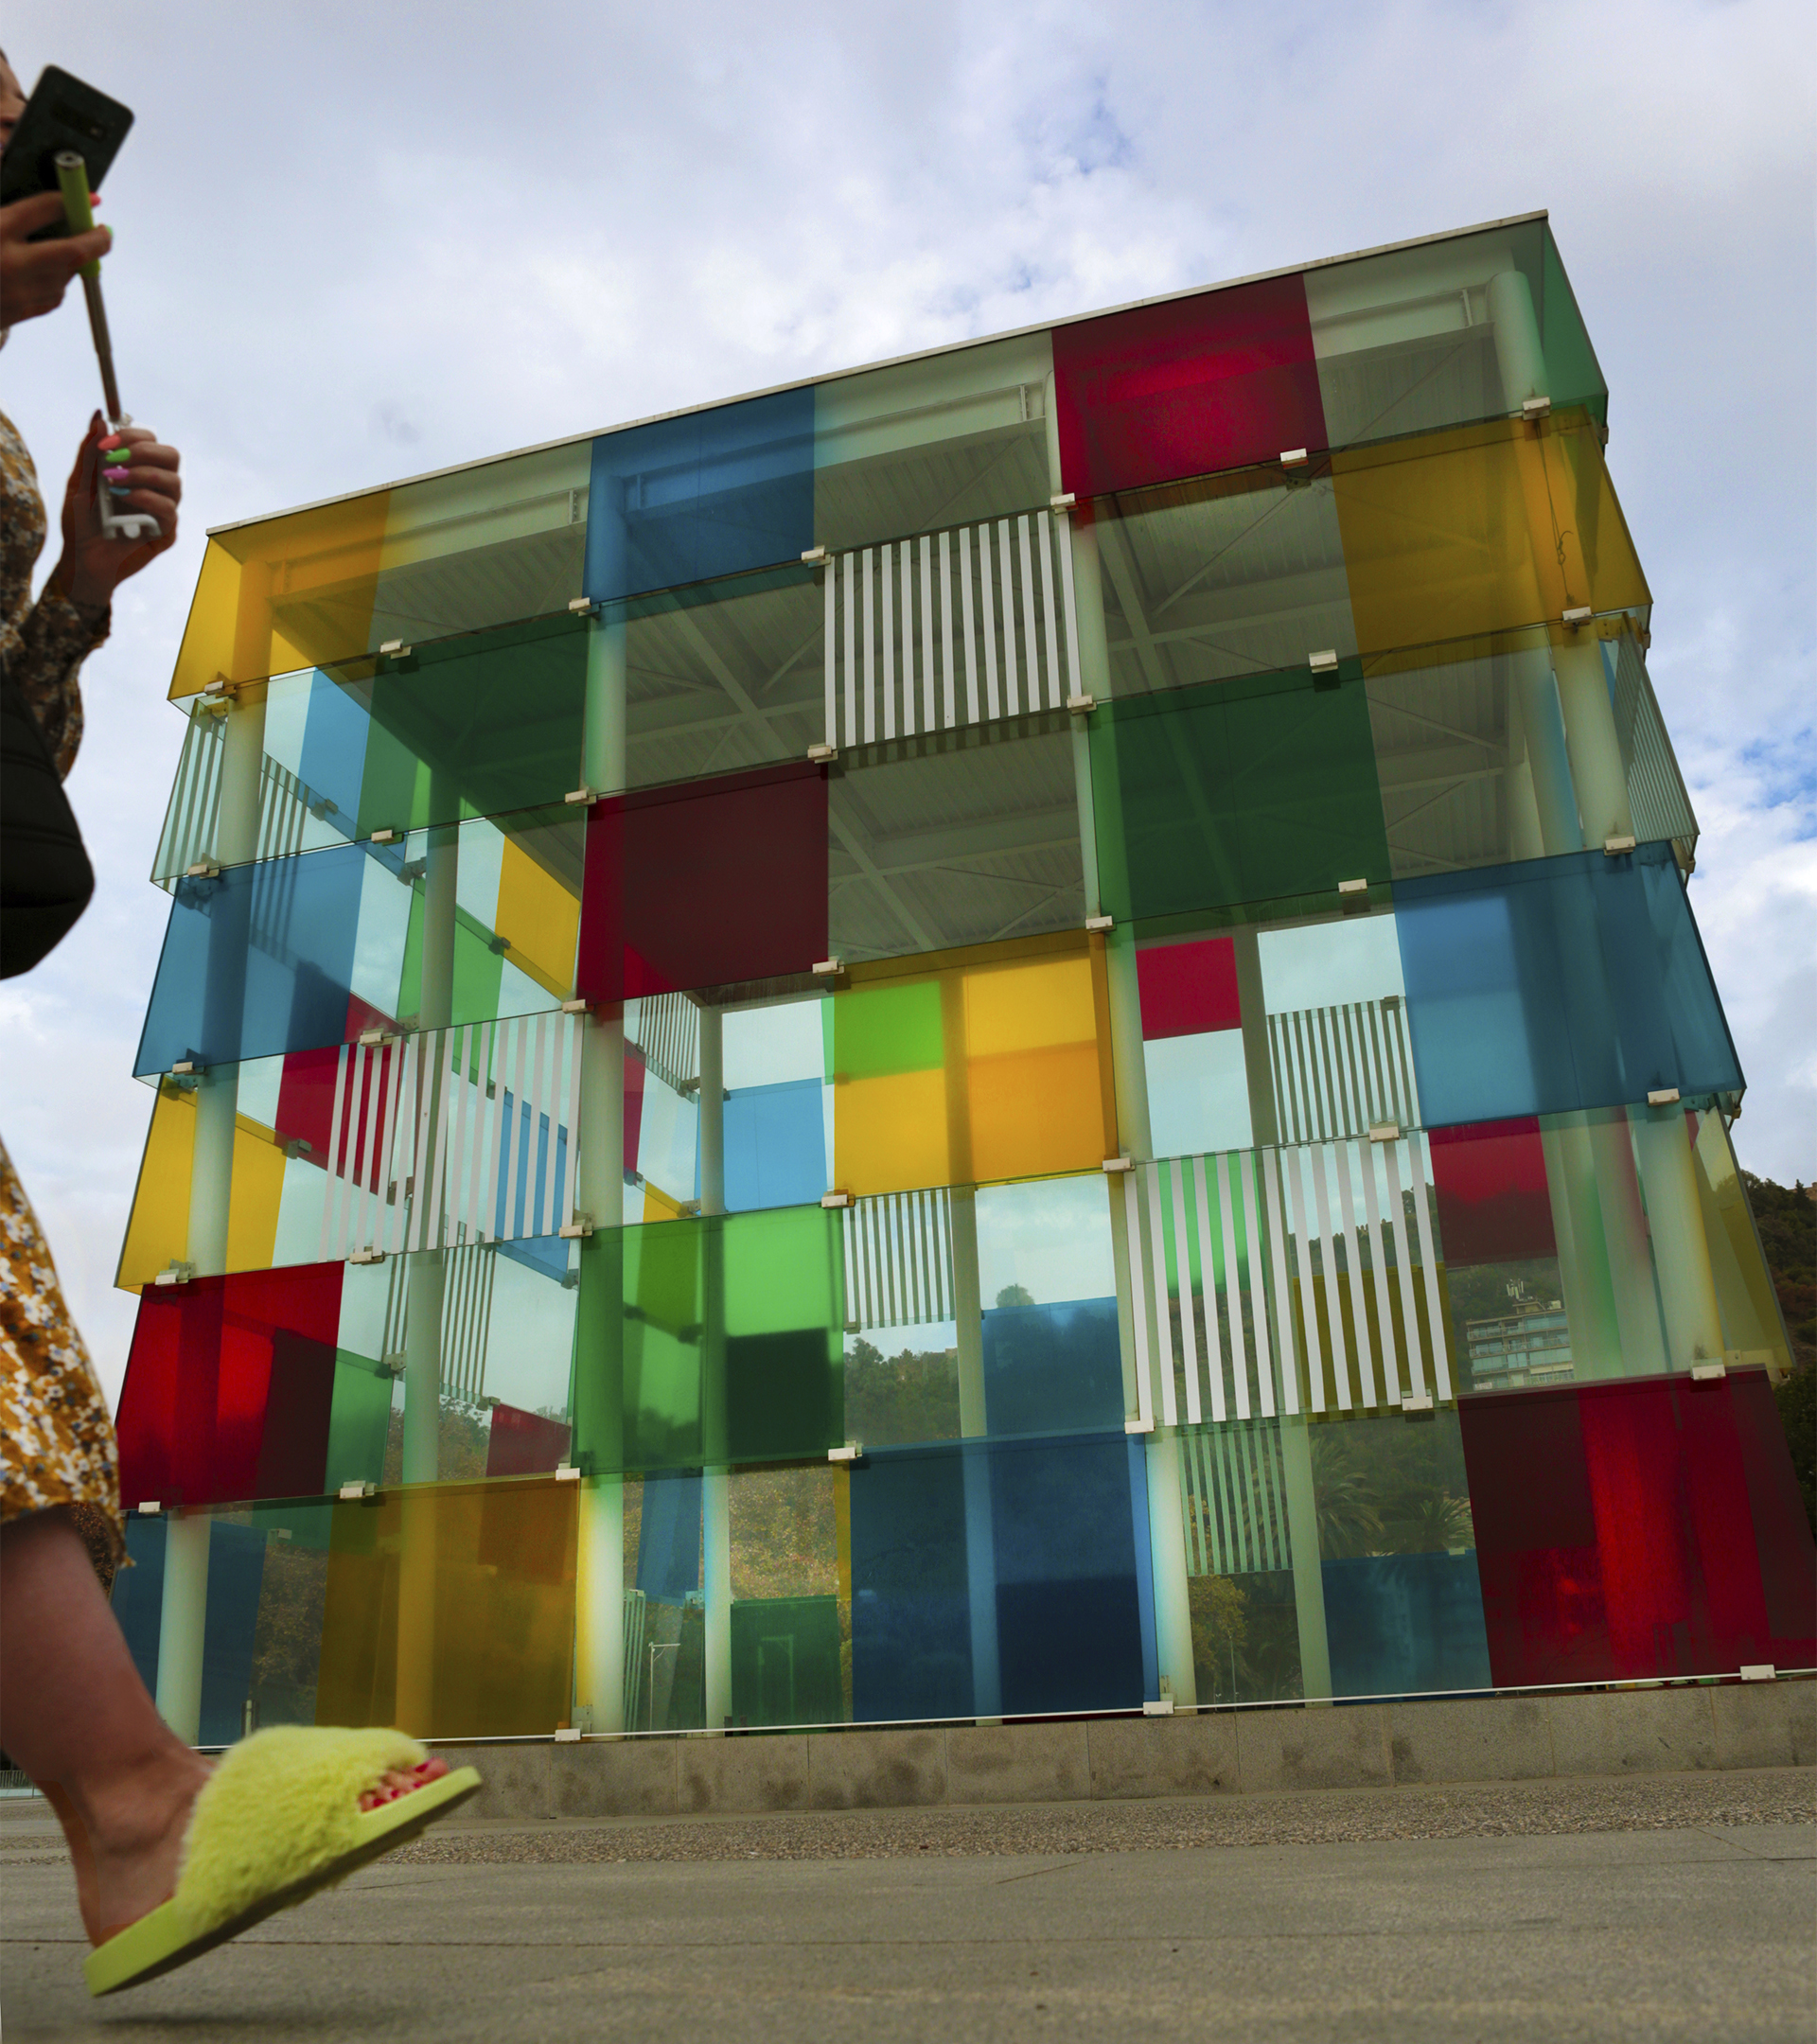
<point x="293" y="591"/>
<point x="1483" y="529"/>
<point x="891" y="1133"/>
<point x="539" y="918"/>
<point x="450" y="1610"/>
<point x="658" y="1205"/>
<point x="157" y="1231"/>
<point x="1038" y="1113"/>
<point x="1028" y="1025"/>
<point x="1026" y="1007"/>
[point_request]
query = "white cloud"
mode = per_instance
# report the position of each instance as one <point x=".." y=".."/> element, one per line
<point x="341" y="226"/>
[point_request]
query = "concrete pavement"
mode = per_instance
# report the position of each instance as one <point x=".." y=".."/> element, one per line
<point x="1501" y="1923"/>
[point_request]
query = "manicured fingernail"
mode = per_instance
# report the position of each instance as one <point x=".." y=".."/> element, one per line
<point x="117" y="475"/>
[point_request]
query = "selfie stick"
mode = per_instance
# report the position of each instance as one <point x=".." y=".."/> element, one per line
<point x="72" y="176"/>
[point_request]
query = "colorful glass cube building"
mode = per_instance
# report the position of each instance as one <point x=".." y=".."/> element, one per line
<point x="1015" y="1033"/>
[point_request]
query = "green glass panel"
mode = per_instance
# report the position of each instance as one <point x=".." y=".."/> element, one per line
<point x="722" y="1345"/>
<point x="959" y="837"/>
<point x="1570" y="359"/>
<point x="1217" y="800"/>
<point x="877" y="1030"/>
<point x="358" y="1421"/>
<point x="785" y="1661"/>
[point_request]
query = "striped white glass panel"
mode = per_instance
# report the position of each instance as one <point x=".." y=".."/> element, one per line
<point x="1213" y="1344"/>
<point x="1138" y="1303"/>
<point x="1182" y="1262"/>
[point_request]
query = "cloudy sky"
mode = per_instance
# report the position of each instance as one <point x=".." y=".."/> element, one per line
<point x="358" y="242"/>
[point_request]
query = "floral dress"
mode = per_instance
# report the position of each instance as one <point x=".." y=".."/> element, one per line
<point x="55" y="1439"/>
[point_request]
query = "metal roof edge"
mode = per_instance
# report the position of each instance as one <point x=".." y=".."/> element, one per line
<point x="891" y="361"/>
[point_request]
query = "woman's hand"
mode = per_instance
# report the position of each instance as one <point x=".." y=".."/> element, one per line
<point x="92" y="566"/>
<point x="35" y="275"/>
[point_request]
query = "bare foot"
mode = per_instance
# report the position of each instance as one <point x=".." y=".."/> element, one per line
<point x="398" y="1781"/>
<point x="127" y="1838"/>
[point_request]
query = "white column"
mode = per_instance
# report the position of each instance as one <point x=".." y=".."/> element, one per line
<point x="1519" y="355"/>
<point x="1624" y="1233"/>
<point x="974" y="1424"/>
<point x="1597" y="771"/>
<point x="599" y="1193"/>
<point x="1309" y="1579"/>
<point x="183" y="1618"/>
<point x="1681" y="1249"/>
<point x="425" y="1274"/>
<point x="715" y="1487"/>
<point x="184" y="1611"/>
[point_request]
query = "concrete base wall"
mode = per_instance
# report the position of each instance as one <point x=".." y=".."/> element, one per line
<point x="1345" y="1745"/>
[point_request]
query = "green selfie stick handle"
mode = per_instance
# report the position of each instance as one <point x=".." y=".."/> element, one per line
<point x="72" y="179"/>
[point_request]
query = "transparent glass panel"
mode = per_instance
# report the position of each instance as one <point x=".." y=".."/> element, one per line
<point x="1636" y="1532"/>
<point x="1236" y="795"/>
<point x="1448" y="332"/>
<point x="969" y="837"/>
<point x="1234" y="575"/>
<point x="456" y="553"/>
<point x="940" y="442"/>
<point x="1217" y="381"/>
<point x="1577" y="982"/>
<point x="310" y="950"/>
<point x="1482" y="529"/>
<point x="977" y="1067"/>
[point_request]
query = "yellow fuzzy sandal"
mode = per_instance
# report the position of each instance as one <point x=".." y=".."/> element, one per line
<point x="278" y="1819"/>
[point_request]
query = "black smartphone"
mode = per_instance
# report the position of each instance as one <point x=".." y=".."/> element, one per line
<point x="62" y="113"/>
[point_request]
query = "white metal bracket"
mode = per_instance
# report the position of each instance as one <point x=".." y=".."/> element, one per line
<point x="1323" y="662"/>
<point x="1663" y="1096"/>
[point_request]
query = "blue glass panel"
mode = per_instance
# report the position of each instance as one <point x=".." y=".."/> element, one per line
<point x="236" y="1575"/>
<point x="1053" y="1368"/>
<point x="256" y="960"/>
<point x="536" y="1193"/>
<point x="668" y="1542"/>
<point x="334" y="749"/>
<point x="775" y="1146"/>
<point x="1577" y="982"/>
<point x="912" y="1634"/>
<point x="1400" y="1624"/>
<point x="1144" y="1550"/>
<point x="710" y="494"/>
<point x="138" y="1596"/>
<point x="1069" y="1607"/>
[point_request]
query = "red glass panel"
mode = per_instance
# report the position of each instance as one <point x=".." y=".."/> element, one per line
<point x="306" y="1092"/>
<point x="525" y="1443"/>
<point x="707" y="885"/>
<point x="1493" y="1206"/>
<point x="229" y="1385"/>
<point x="1187" y="388"/>
<point x="1188" y="989"/>
<point x="1631" y="1531"/>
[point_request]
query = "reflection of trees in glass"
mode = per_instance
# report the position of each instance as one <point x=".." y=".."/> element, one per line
<point x="464" y="1437"/>
<point x="287" y="1635"/>
<point x="1246" y="1638"/>
<point x="784" y="1542"/>
<point x="1390" y="1486"/>
<point x="1016" y="1295"/>
<point x="910" y="1397"/>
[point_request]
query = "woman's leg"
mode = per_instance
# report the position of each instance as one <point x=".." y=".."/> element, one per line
<point x="74" y="1715"/>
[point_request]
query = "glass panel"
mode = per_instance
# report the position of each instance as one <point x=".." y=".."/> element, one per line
<point x="1448" y="332"/>
<point x="1192" y="1051"/>
<point x="1217" y="381"/>
<point x="157" y="1234"/>
<point x="901" y="1330"/>
<point x="938" y="442"/>
<point x="1476" y="747"/>
<point x="960" y="1071"/>
<point x="426" y="1585"/>
<point x="299" y="953"/>
<point x="968" y="837"/>
<point x="720" y="676"/>
<point x="1482" y="529"/>
<point x="719" y="884"/>
<point x="1233" y="574"/>
<point x="456" y="553"/>
<point x="1235" y="795"/>
<point x="792" y="1626"/>
<point x="1404" y="1606"/>
<point x="1577" y="982"/>
<point x="997" y="1578"/>
<point x="1240" y="1562"/>
<point x="229" y="1386"/>
<point x="1634" y="1531"/>
<point x="707" y="493"/>
<point x="710" y="1340"/>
